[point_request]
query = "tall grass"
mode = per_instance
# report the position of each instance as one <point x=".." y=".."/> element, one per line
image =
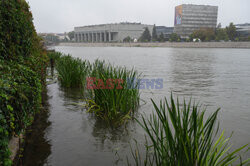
<point x="114" y="105"/>
<point x="53" y="56"/>
<point x="72" y="72"/>
<point x="180" y="135"/>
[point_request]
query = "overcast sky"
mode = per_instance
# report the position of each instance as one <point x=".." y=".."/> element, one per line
<point x="64" y="15"/>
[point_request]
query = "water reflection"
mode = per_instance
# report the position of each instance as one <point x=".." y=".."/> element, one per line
<point x="192" y="72"/>
<point x="37" y="146"/>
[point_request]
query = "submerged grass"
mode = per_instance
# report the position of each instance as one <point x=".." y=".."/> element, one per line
<point x="116" y="94"/>
<point x="53" y="55"/>
<point x="72" y="72"/>
<point x="180" y="135"/>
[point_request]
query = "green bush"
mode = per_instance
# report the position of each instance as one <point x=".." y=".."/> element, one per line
<point x="23" y="65"/>
<point x="174" y="37"/>
<point x="17" y="33"/>
<point x="20" y="91"/>
<point x="179" y="134"/>
<point x="20" y="96"/>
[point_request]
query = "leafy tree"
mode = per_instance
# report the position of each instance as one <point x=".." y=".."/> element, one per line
<point x="231" y="31"/>
<point x="161" y="38"/>
<point x="204" y="34"/>
<point x="71" y="35"/>
<point x="218" y="26"/>
<point x="221" y="34"/>
<point x="145" y="37"/>
<point x="127" y="39"/>
<point x="154" y="34"/>
<point x="174" y="37"/>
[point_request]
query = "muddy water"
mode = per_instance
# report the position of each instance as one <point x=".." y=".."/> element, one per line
<point x="214" y="77"/>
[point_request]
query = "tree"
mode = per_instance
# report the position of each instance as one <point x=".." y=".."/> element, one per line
<point x="221" y="34"/>
<point x="127" y="39"/>
<point x="204" y="34"/>
<point x="231" y="31"/>
<point x="161" y="38"/>
<point x="218" y="26"/>
<point x="71" y="35"/>
<point x="154" y="34"/>
<point x="145" y="37"/>
<point x="174" y="37"/>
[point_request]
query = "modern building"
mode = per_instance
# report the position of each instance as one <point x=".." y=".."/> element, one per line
<point x="243" y="30"/>
<point x="166" y="31"/>
<point x="189" y="18"/>
<point x="110" y="32"/>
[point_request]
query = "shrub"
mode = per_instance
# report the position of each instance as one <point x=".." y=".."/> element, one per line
<point x="127" y="39"/>
<point x="20" y="96"/>
<point x="17" y="33"/>
<point x="174" y="37"/>
<point x="23" y="65"/>
<point x="180" y="135"/>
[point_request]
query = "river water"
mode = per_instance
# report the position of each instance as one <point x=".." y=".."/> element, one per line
<point x="216" y="78"/>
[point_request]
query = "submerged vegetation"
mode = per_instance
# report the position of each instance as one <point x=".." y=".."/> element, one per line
<point x="72" y="72"/>
<point x="53" y="57"/>
<point x="114" y="94"/>
<point x="180" y="135"/>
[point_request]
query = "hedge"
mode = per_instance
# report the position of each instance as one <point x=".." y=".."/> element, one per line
<point x="22" y="72"/>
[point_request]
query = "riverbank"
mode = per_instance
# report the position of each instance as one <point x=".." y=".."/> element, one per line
<point x="166" y="44"/>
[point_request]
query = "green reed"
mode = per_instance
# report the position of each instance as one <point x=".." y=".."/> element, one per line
<point x="53" y="57"/>
<point x="180" y="135"/>
<point x="72" y="72"/>
<point x="114" y="104"/>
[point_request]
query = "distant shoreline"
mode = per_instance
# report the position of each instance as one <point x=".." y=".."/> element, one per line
<point x="166" y="44"/>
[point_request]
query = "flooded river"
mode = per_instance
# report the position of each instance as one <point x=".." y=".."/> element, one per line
<point x="214" y="77"/>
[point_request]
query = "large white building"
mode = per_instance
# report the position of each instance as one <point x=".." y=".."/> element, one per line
<point x="189" y="18"/>
<point x="110" y="32"/>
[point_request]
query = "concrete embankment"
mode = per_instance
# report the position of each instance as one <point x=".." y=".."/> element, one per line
<point x="166" y="44"/>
